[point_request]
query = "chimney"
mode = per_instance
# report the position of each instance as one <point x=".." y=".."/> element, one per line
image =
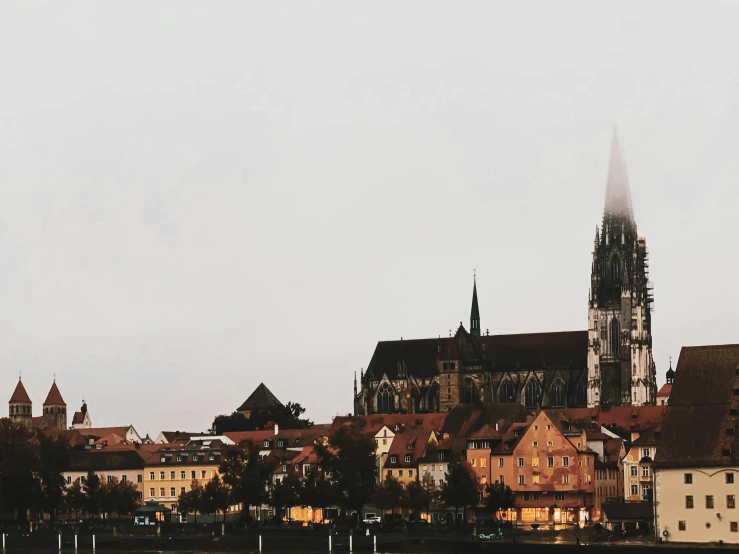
<point x="277" y="428"/>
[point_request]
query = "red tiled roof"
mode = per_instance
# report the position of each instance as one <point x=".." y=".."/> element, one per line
<point x="625" y="417"/>
<point x="20" y="396"/>
<point x="54" y="398"/>
<point x="417" y="440"/>
<point x="700" y="426"/>
<point x="665" y="390"/>
<point x="78" y="418"/>
<point x="254" y="436"/>
<point x="371" y="424"/>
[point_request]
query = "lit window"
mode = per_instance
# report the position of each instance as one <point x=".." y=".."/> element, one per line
<point x="534" y="462"/>
<point x="483" y="462"/>
<point x="535" y="479"/>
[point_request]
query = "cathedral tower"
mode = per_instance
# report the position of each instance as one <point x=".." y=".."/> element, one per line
<point x="55" y="409"/>
<point x="621" y="370"/>
<point x="475" y="313"/>
<point x="20" y="406"/>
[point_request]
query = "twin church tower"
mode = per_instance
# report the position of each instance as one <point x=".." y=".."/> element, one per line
<point x="609" y="364"/>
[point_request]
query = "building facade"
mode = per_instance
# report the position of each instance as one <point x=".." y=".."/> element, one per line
<point x="621" y="369"/>
<point x="696" y="479"/>
<point x="608" y="364"/>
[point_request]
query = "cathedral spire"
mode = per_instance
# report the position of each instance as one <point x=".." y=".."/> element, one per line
<point x="618" y="195"/>
<point x="475" y="313"/>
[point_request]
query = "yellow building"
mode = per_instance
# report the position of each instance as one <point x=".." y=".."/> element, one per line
<point x="405" y="451"/>
<point x="170" y="469"/>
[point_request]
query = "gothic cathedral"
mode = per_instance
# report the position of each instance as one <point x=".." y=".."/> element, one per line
<point x="609" y="364"/>
<point x="621" y="370"/>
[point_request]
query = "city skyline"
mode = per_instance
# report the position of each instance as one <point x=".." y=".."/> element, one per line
<point x="262" y="197"/>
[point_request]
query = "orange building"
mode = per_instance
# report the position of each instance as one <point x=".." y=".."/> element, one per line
<point x="548" y="465"/>
<point x="405" y="451"/>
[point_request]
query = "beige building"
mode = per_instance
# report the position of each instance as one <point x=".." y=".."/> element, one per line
<point x="637" y="464"/>
<point x="697" y="464"/>
<point x="114" y="464"/>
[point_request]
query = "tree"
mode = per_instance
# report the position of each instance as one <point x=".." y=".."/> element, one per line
<point x="246" y="474"/>
<point x="432" y="491"/>
<point x="218" y="495"/>
<point x="93" y="493"/>
<point x="19" y="458"/>
<point x="349" y="460"/>
<point x="389" y="494"/>
<point x="499" y="497"/>
<point x="192" y="501"/>
<point x="286" y="494"/>
<point x="119" y="497"/>
<point x="74" y="498"/>
<point x="461" y="487"/>
<point x="317" y="491"/>
<point x="53" y="459"/>
<point x="286" y="417"/>
<point x="417" y="498"/>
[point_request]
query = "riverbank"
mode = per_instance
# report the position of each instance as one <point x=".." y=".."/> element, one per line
<point x="289" y="541"/>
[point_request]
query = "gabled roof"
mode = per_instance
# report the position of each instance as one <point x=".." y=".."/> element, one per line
<point x="257" y="437"/>
<point x="700" y="427"/>
<point x="665" y="390"/>
<point x="419" y="357"/>
<point x="260" y="399"/>
<point x="20" y="396"/>
<point x="409" y="442"/>
<point x="370" y="425"/>
<point x="54" y="398"/>
<point x="78" y="418"/>
<point x="102" y="460"/>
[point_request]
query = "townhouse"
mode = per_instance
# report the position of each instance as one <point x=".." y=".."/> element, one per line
<point x="120" y="463"/>
<point x="696" y="480"/>
<point x="637" y="464"/>
<point x="405" y="451"/>
<point x="550" y="469"/>
<point x="171" y="469"/>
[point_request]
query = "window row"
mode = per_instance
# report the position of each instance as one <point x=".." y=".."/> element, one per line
<point x="730" y="502"/>
<point x="733" y="526"/>
<point x="183" y="475"/>
<point x="728" y="476"/>
<point x="162" y="492"/>
<point x="535" y="461"/>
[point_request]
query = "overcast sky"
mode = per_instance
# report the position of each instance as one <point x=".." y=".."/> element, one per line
<point x="197" y="196"/>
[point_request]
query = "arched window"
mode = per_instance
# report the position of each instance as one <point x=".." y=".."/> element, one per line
<point x="558" y="394"/>
<point x="581" y="394"/>
<point x="470" y="393"/>
<point x="507" y="392"/>
<point x="616" y="268"/>
<point x="531" y="394"/>
<point x="385" y="399"/>
<point x="615" y="338"/>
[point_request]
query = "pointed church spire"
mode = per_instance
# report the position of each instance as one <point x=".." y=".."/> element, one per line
<point x="618" y="194"/>
<point x="475" y="313"/>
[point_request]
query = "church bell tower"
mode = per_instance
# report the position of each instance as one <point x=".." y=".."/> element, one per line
<point x="621" y="370"/>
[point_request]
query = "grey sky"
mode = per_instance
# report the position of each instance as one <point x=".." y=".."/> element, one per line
<point x="196" y="197"/>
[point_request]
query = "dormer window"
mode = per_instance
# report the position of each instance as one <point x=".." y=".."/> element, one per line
<point x="393" y="459"/>
<point x="211" y="457"/>
<point x="284" y="468"/>
<point x="179" y="458"/>
<point x="266" y="444"/>
<point x="281" y="443"/>
<point x="407" y="458"/>
<point x="409" y="447"/>
<point x="162" y="459"/>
